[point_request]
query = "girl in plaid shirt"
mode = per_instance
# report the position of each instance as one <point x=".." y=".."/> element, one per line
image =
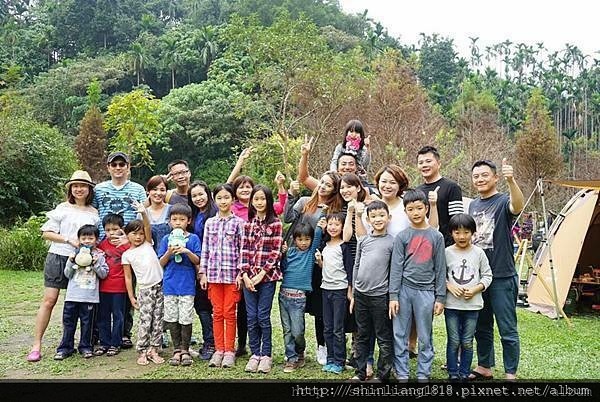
<point x="261" y="243"/>
<point x="219" y="271"/>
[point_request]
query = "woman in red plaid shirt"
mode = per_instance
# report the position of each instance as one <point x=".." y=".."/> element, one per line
<point x="261" y="244"/>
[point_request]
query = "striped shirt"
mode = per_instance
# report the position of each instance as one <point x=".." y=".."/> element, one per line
<point x="261" y="244"/>
<point x="221" y="245"/>
<point x="108" y="198"/>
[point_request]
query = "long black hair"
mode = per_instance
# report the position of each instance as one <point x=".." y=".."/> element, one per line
<point x="211" y="208"/>
<point x="270" y="212"/>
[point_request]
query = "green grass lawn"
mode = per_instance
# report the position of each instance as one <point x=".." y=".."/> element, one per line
<point x="549" y="348"/>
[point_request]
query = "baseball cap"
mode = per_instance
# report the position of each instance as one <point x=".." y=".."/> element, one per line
<point x="116" y="155"/>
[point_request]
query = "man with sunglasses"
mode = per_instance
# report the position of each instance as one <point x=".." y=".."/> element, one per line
<point x="116" y="196"/>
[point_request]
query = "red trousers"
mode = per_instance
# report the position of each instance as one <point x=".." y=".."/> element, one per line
<point x="224" y="298"/>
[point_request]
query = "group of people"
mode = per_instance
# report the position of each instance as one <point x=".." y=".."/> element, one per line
<point x="376" y="261"/>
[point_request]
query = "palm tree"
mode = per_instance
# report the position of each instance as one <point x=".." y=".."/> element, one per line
<point x="170" y="53"/>
<point x="475" y="53"/>
<point x="139" y="57"/>
<point x="208" y="45"/>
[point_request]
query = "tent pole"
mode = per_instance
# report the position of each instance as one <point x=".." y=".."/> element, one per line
<point x="554" y="295"/>
<point x="547" y="288"/>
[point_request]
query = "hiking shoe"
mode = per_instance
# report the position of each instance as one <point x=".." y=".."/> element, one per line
<point x="228" y="360"/>
<point x="206" y="352"/>
<point x="322" y="355"/>
<point x="301" y="361"/>
<point x="265" y="364"/>
<point x="252" y="365"/>
<point x="216" y="359"/>
<point x="290" y="367"/>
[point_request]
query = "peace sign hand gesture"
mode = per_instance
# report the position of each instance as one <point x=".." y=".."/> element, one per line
<point x="307" y="146"/>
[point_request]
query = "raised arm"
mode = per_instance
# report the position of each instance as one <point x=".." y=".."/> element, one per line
<point x="303" y="176"/>
<point x="235" y="172"/>
<point x="517" y="200"/>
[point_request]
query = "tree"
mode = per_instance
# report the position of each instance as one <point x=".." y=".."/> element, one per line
<point x="58" y="97"/>
<point x="133" y="119"/>
<point x="204" y="121"/>
<point x="478" y="134"/>
<point x="300" y="83"/>
<point x="439" y="70"/>
<point x="35" y="162"/>
<point x="537" y="151"/>
<point x="91" y="143"/>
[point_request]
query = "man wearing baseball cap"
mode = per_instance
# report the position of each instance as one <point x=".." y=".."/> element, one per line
<point x="116" y="196"/>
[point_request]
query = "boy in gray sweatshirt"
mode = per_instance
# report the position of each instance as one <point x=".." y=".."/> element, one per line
<point x="83" y="293"/>
<point x="370" y="292"/>
<point x="417" y="285"/>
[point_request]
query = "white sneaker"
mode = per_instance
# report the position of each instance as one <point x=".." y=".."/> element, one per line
<point x="322" y="355"/>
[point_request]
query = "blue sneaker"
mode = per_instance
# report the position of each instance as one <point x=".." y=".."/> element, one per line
<point x="327" y="367"/>
<point x="335" y="369"/>
<point x="206" y="352"/>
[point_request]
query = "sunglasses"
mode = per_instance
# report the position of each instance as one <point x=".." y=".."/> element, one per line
<point x="118" y="164"/>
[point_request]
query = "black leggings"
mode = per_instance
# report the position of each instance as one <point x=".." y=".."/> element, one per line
<point x="242" y="322"/>
<point x="320" y="330"/>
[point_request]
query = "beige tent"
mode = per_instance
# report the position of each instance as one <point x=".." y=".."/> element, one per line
<point x="574" y="238"/>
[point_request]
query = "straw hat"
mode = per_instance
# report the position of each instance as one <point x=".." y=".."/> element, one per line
<point x="80" y="176"/>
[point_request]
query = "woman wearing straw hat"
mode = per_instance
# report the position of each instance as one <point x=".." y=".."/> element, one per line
<point x="61" y="231"/>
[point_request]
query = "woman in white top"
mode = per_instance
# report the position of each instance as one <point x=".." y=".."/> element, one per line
<point x="391" y="183"/>
<point x="61" y="230"/>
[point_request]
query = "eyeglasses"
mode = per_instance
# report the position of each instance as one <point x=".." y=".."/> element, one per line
<point x="118" y="164"/>
<point x="180" y="173"/>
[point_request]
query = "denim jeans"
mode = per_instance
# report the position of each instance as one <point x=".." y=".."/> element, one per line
<point x="206" y="322"/>
<point x="204" y="310"/>
<point x="334" y="313"/>
<point x="460" y="330"/>
<point x="499" y="301"/>
<point x="73" y="312"/>
<point x="419" y="302"/>
<point x="372" y="320"/>
<point x="291" y="311"/>
<point x="111" y="318"/>
<point x="258" y="310"/>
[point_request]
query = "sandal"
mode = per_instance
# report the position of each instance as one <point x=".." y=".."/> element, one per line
<point x="176" y="359"/>
<point x="87" y="354"/>
<point x="154" y="357"/>
<point x="477" y="376"/>
<point x="186" y="359"/>
<point x="100" y="351"/>
<point x="126" y="343"/>
<point x="112" y="351"/>
<point x="143" y="359"/>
